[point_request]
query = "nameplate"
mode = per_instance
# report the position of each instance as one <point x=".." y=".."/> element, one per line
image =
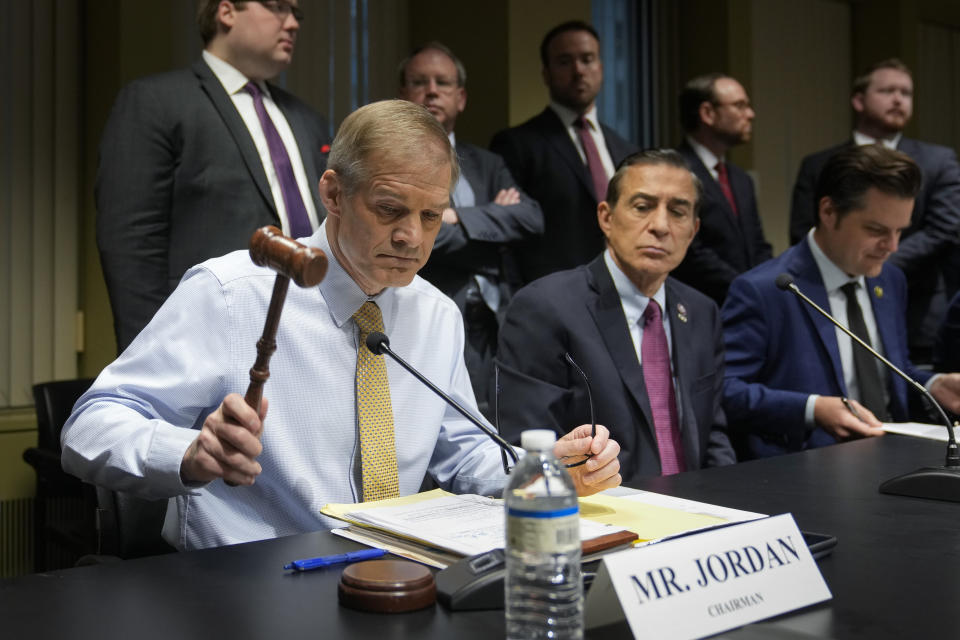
<point x="706" y="583"/>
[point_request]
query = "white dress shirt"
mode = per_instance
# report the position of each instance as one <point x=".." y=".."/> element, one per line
<point x="131" y="430"/>
<point x="568" y="117"/>
<point x="833" y="279"/>
<point x="890" y="143"/>
<point x="234" y="82"/>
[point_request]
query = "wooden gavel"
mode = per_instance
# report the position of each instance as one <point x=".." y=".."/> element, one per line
<point x="291" y="260"/>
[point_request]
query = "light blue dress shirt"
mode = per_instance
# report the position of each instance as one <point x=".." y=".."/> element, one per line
<point x="131" y="430"/>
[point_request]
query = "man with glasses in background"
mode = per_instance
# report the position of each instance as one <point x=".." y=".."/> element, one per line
<point x="472" y="259"/>
<point x="716" y="115"/>
<point x="192" y="162"/>
<point x="620" y="342"/>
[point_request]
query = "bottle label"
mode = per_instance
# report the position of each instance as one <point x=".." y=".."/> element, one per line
<point x="544" y="531"/>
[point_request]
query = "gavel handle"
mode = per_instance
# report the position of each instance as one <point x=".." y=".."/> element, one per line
<point x="267" y="344"/>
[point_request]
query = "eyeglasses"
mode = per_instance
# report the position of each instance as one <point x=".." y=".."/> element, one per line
<point x="422" y="83"/>
<point x="568" y="461"/>
<point x="282" y="9"/>
<point x="739" y="105"/>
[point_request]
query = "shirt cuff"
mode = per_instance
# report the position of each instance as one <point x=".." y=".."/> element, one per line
<point x="165" y="457"/>
<point x="808" y="411"/>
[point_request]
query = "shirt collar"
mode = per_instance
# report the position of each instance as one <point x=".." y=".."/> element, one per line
<point x="233" y="80"/>
<point x="889" y="143"/>
<point x="633" y="301"/>
<point x="706" y="156"/>
<point x="453" y="139"/>
<point x="568" y="116"/>
<point x="342" y="295"/>
<point x="833" y="276"/>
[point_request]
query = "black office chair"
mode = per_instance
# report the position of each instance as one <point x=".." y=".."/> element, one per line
<point x="129" y="526"/>
<point x="64" y="525"/>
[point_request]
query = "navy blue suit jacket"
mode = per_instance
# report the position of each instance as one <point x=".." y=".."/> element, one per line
<point x="180" y="181"/>
<point x="779" y="351"/>
<point x="928" y="246"/>
<point x="545" y="163"/>
<point x="579" y="311"/>
<point x="727" y="244"/>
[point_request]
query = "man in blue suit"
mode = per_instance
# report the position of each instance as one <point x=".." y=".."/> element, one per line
<point x="793" y="380"/>
<point x="605" y="318"/>
<point x="882" y="100"/>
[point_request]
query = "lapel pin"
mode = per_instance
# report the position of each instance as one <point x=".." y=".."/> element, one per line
<point x="878" y="291"/>
<point x="681" y="313"/>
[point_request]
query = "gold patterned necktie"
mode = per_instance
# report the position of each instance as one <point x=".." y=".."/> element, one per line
<point x="378" y="453"/>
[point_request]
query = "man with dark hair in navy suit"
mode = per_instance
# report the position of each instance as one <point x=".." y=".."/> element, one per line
<point x="716" y="115"/>
<point x="473" y="260"/>
<point x="793" y="380"/>
<point x="650" y="346"/>
<point x="564" y="157"/>
<point x="882" y="100"/>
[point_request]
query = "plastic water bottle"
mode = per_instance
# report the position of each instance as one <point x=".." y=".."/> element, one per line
<point x="543" y="591"/>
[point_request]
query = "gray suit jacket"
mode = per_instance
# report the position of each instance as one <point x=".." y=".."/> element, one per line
<point x="180" y="181"/>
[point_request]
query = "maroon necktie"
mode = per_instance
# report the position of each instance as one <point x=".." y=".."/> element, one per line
<point x="724" y="179"/>
<point x="655" y="363"/>
<point x="296" y="211"/>
<point x="597" y="173"/>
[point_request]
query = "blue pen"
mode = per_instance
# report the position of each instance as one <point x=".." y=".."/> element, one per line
<point x="340" y="558"/>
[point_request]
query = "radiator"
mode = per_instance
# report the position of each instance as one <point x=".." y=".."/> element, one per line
<point x="16" y="537"/>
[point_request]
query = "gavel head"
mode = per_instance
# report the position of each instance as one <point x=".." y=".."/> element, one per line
<point x="304" y="265"/>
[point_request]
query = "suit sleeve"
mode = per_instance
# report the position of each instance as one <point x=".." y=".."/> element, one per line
<point x="802" y="205"/>
<point x="489" y="222"/>
<point x="719" y="450"/>
<point x="750" y="338"/>
<point x="138" y="156"/>
<point x="941" y="219"/>
<point x="535" y="389"/>
<point x="946" y="356"/>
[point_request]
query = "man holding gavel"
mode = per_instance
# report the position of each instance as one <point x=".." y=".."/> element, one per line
<point x="165" y="419"/>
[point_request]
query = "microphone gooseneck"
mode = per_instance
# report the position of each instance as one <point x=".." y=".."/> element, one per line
<point x="941" y="483"/>
<point x="378" y="343"/>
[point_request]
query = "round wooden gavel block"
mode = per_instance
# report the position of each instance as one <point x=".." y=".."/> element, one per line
<point x="387" y="586"/>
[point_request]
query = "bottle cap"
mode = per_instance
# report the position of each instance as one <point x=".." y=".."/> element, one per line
<point x="538" y="439"/>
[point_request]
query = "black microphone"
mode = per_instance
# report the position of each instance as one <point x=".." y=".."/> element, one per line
<point x="379" y="343"/>
<point x="937" y="483"/>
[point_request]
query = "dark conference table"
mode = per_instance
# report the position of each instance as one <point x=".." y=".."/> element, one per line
<point x="894" y="574"/>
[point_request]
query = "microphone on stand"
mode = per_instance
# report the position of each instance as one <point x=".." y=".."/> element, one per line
<point x="379" y="343"/>
<point x="937" y="483"/>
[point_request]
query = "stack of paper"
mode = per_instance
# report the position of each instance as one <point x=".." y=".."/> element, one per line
<point x="438" y="528"/>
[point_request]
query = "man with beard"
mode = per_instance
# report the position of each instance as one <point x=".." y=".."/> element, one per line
<point x="564" y="157"/>
<point x="882" y="100"/>
<point x="716" y="115"/>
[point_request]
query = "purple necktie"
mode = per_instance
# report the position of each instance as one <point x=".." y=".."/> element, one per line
<point x="597" y="173"/>
<point x="724" y="179"/>
<point x="296" y="211"/>
<point x="659" y="382"/>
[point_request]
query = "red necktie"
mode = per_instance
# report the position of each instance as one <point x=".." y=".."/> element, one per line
<point x="657" y="378"/>
<point x="724" y="181"/>
<point x="597" y="173"/>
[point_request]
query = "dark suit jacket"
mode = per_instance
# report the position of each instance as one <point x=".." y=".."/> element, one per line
<point x="180" y="181"/>
<point x="545" y="163"/>
<point x="727" y="244"/>
<point x="927" y="246"/>
<point x="482" y="243"/>
<point x="946" y="355"/>
<point x="779" y="351"/>
<point x="579" y="311"/>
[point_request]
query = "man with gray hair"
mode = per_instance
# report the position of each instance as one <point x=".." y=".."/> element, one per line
<point x="649" y="345"/>
<point x="165" y="419"/>
<point x="473" y="260"/>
